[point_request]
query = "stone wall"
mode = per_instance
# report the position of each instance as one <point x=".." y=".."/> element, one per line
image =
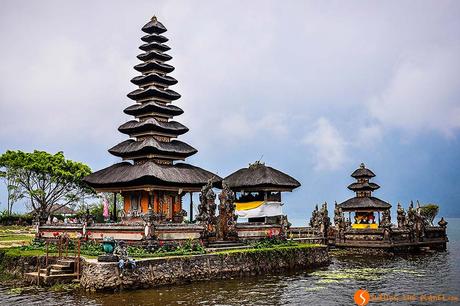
<point x="175" y="270"/>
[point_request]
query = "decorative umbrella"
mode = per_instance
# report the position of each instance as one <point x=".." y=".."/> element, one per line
<point x="106" y="209"/>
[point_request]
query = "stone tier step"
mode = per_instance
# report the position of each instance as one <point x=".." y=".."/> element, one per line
<point x="224" y="245"/>
<point x="50" y="279"/>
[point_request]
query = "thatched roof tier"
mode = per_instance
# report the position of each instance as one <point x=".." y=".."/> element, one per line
<point x="258" y="177"/>
<point x="150" y="146"/>
<point x="363" y="186"/>
<point x="364" y="203"/>
<point x="154" y="66"/>
<point x="149" y="173"/>
<point x="155" y="46"/>
<point x="154" y="38"/>
<point x="154" y="27"/>
<point x="153" y="92"/>
<point x="151" y="78"/>
<point x="168" y="110"/>
<point x="362" y="172"/>
<point x="135" y="127"/>
<point x="154" y="55"/>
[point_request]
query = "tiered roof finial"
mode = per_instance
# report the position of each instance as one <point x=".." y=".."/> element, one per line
<point x="363" y="187"/>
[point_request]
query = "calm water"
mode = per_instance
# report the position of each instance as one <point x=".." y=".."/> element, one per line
<point x="437" y="273"/>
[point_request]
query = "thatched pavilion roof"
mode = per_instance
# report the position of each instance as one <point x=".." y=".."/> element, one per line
<point x="364" y="203"/>
<point x="260" y="177"/>
<point x="125" y="174"/>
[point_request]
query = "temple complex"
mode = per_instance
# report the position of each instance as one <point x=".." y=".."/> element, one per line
<point x="364" y="221"/>
<point x="150" y="178"/>
<point x="258" y="191"/>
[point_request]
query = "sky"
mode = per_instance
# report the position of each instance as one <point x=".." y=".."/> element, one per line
<point x="311" y="88"/>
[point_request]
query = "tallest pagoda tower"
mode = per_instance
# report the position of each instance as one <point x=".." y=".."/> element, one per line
<point x="152" y="180"/>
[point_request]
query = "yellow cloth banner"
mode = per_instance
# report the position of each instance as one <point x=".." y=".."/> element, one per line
<point x="248" y="205"/>
<point x="363" y="226"/>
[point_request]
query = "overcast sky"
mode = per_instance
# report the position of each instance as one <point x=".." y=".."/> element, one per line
<point x="314" y="88"/>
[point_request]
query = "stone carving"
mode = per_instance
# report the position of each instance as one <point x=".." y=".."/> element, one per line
<point x="324" y="220"/>
<point x="207" y="210"/>
<point x="339" y="222"/>
<point x="420" y="223"/>
<point x="227" y="216"/>
<point x="314" y="220"/>
<point x="337" y="215"/>
<point x="442" y="222"/>
<point x="401" y="216"/>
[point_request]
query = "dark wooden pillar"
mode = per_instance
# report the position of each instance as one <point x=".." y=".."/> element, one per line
<point x="191" y="206"/>
<point x="150" y="207"/>
<point x="115" y="207"/>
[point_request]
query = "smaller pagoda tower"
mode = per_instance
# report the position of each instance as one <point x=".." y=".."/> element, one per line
<point x="364" y="205"/>
<point x="362" y="186"/>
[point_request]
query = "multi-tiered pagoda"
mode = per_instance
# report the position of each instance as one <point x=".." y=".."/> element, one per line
<point x="154" y="181"/>
<point x="364" y="204"/>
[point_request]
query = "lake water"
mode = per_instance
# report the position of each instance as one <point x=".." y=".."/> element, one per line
<point x="435" y="274"/>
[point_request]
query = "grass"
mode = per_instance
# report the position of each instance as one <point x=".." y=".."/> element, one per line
<point x="272" y="248"/>
<point x="11" y="236"/>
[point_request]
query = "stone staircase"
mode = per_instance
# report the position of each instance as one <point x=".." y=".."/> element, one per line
<point x="63" y="271"/>
<point x="223" y="245"/>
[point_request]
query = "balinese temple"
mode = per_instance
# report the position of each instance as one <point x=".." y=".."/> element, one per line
<point x="150" y="177"/>
<point x="258" y="191"/>
<point x="364" y="206"/>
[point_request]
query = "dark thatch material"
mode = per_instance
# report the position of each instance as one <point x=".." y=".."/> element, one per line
<point x="154" y="55"/>
<point x="154" y="78"/>
<point x="132" y="148"/>
<point x="154" y="38"/>
<point x="154" y="46"/>
<point x="259" y="176"/>
<point x="149" y="173"/>
<point x="364" y="203"/>
<point x="154" y="65"/>
<point x="363" y="186"/>
<point x="154" y="27"/>
<point x="362" y="172"/>
<point x="152" y="106"/>
<point x="153" y="92"/>
<point x="151" y="124"/>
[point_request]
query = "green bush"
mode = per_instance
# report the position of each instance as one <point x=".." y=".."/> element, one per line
<point x="15" y="219"/>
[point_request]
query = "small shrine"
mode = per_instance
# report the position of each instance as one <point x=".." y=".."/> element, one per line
<point x="365" y="208"/>
<point x="258" y="191"/>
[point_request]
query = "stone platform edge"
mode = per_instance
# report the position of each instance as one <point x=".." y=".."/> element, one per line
<point x="151" y="273"/>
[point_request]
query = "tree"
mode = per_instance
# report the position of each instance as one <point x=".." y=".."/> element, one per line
<point x="48" y="181"/>
<point x="13" y="189"/>
<point x="429" y="211"/>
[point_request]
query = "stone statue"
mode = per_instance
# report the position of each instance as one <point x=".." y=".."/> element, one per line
<point x="227" y="216"/>
<point x="337" y="215"/>
<point x="324" y="219"/>
<point x="401" y="216"/>
<point x="386" y="224"/>
<point x="314" y="220"/>
<point x="207" y="209"/>
<point x="420" y="223"/>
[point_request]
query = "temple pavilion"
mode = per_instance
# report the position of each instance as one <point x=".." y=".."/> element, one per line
<point x="258" y="191"/>
<point x="364" y="205"/>
<point x="150" y="178"/>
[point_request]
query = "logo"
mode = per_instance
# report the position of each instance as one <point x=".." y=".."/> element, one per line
<point x="361" y="297"/>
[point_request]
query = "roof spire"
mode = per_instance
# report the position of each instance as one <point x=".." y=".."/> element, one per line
<point x="154" y="19"/>
<point x="362" y="166"/>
